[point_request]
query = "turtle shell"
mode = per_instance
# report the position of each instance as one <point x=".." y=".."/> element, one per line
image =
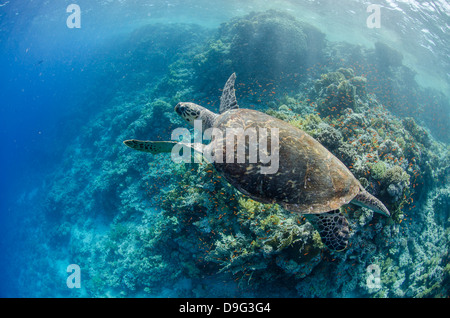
<point x="309" y="178"/>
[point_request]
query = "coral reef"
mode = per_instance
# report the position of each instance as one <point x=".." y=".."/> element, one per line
<point x="386" y="56"/>
<point x="338" y="91"/>
<point x="262" y="47"/>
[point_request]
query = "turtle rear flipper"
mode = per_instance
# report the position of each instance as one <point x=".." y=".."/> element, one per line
<point x="333" y="229"/>
<point x="366" y="200"/>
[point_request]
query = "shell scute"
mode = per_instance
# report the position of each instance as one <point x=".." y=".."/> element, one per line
<point x="309" y="178"/>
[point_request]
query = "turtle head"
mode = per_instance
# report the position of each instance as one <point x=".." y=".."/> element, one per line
<point x="191" y="112"/>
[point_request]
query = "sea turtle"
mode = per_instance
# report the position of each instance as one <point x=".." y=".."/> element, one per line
<point x="309" y="179"/>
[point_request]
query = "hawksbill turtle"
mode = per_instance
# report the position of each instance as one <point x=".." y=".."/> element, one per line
<point x="309" y="180"/>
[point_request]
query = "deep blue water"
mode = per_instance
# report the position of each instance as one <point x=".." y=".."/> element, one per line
<point x="55" y="80"/>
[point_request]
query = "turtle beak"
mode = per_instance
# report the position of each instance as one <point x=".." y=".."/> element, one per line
<point x="179" y="109"/>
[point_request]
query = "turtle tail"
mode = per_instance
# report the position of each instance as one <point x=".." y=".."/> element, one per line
<point x="333" y="229"/>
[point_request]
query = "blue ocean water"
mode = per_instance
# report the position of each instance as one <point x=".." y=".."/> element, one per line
<point x="72" y="193"/>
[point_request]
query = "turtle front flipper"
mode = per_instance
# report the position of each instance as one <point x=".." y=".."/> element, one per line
<point x="228" y="98"/>
<point x="333" y="229"/>
<point x="173" y="147"/>
<point x="150" y="146"/>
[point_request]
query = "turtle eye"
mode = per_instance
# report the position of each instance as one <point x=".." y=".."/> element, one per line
<point x="191" y="113"/>
<point x="194" y="114"/>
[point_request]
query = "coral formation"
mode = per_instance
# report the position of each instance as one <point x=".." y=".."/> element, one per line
<point x="263" y="47"/>
<point x="337" y="91"/>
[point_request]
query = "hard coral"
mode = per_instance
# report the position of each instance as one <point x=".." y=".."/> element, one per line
<point x="338" y="91"/>
<point x="262" y="47"/>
